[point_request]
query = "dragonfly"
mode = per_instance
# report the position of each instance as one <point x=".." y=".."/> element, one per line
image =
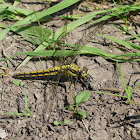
<point x="69" y="70"/>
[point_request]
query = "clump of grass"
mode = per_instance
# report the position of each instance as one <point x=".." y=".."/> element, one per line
<point x="126" y="88"/>
<point x="25" y="114"/>
<point x="44" y="38"/>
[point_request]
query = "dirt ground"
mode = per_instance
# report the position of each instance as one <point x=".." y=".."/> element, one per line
<point x="108" y="117"/>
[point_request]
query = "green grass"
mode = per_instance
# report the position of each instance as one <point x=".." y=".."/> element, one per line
<point x="27" y="112"/>
<point x="44" y="38"/>
<point x="22" y="115"/>
<point x="126" y="89"/>
<point x="46" y="41"/>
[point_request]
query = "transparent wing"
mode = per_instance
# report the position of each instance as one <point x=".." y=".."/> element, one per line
<point x="51" y="99"/>
<point x="84" y="40"/>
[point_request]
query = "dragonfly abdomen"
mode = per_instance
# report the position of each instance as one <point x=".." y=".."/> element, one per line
<point x="48" y="72"/>
<point x="41" y="73"/>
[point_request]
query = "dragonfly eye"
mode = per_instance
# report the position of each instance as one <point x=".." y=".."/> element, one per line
<point x="84" y="72"/>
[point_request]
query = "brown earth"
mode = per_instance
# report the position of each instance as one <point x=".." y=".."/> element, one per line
<point x="108" y="117"/>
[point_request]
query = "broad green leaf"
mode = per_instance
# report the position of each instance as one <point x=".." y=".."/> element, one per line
<point x="56" y="123"/>
<point x="82" y="113"/>
<point x="16" y="82"/>
<point x="82" y="97"/>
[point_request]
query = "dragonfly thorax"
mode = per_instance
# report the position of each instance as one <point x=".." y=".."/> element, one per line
<point x="75" y="71"/>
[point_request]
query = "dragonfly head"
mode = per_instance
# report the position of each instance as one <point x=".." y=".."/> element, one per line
<point x="84" y="72"/>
